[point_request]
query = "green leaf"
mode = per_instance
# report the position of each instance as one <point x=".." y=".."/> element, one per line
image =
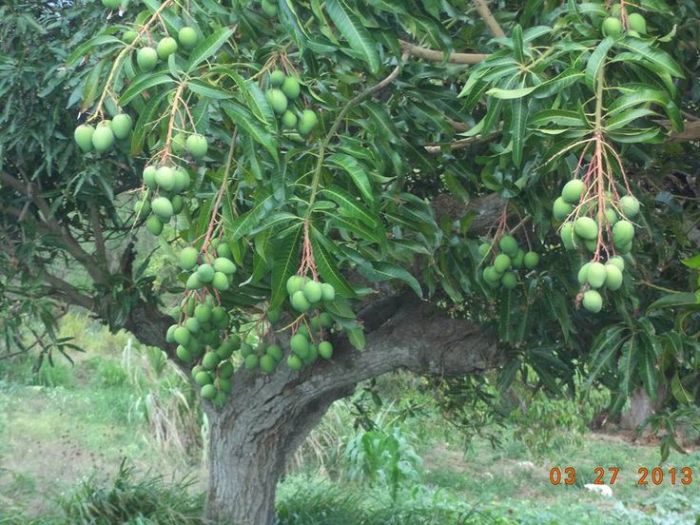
<point x="628" y="364"/>
<point x="327" y="267"/>
<point x="356" y="172"/>
<point x="637" y="95"/>
<point x="517" y="36"/>
<point x="679" y="391"/>
<point x="290" y="19"/>
<point x="675" y="300"/>
<point x="559" y="117"/>
<point x="349" y="205"/>
<point x="624" y="118"/>
<point x="172" y="21"/>
<point x="596" y="60"/>
<point x="91" y="85"/>
<point x="388" y="272"/>
<point x="240" y="226"/>
<point x="282" y="217"/>
<point x="517" y="129"/>
<point x="692" y="262"/>
<point x="254" y="97"/>
<point x="504" y="316"/>
<point x="243" y="118"/>
<point x="558" y="84"/>
<point x="146" y="117"/>
<point x="635" y="136"/>
<point x="85" y="48"/>
<point x="143" y="84"/>
<point x="648" y="371"/>
<point x="509" y="94"/>
<point x="376" y="235"/>
<point x="207" y="47"/>
<point x="604" y="348"/>
<point x="354" y="32"/>
<point x="207" y="90"/>
<point x="287" y="259"/>
<point x="533" y="33"/>
<point x="356" y="336"/>
<point x="662" y="60"/>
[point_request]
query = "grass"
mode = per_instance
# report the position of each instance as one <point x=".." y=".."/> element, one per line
<point x="65" y="432"/>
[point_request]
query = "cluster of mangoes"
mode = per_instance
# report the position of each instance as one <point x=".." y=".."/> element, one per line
<point x="283" y="92"/>
<point x="198" y="338"/>
<point x="101" y="138"/>
<point x="163" y="199"/>
<point x="612" y="25"/>
<point x="147" y="57"/>
<point x="595" y="275"/>
<point x="505" y="261"/>
<point x="194" y="144"/>
<point x="305" y="293"/>
<point x="304" y="351"/>
<point x="215" y="272"/>
<point x="199" y="334"/>
<point x="308" y="296"/>
<point x="585" y="226"/>
<point x="585" y="230"/>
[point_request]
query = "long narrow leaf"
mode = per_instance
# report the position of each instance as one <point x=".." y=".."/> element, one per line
<point x="207" y="47"/>
<point x="354" y="32"/>
<point x="286" y="263"/>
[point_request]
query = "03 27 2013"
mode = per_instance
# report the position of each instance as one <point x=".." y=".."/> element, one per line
<point x="609" y="475"/>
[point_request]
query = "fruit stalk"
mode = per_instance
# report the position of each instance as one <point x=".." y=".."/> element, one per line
<point x="171" y="123"/>
<point x="307" y="258"/>
<point x="120" y="58"/>
<point x="219" y="196"/>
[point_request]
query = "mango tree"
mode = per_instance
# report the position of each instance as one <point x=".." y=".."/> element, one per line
<point x="345" y="188"/>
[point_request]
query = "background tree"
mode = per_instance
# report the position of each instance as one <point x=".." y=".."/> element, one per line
<point x="414" y="157"/>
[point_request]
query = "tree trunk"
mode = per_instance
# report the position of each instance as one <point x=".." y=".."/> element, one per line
<point x="248" y="451"/>
<point x="256" y="434"/>
<point x="243" y="473"/>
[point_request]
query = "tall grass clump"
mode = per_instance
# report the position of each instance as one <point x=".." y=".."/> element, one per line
<point x="132" y="500"/>
<point x="165" y="399"/>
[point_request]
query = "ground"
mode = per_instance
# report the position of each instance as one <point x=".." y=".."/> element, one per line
<point x="80" y="421"/>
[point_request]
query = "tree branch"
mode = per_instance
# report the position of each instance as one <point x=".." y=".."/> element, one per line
<point x="68" y="292"/>
<point x="439" y="56"/>
<point x="402" y="332"/>
<point x="458" y="144"/>
<point x="100" y="248"/>
<point x="690" y="133"/>
<point x="73" y="247"/>
<point x="483" y="9"/>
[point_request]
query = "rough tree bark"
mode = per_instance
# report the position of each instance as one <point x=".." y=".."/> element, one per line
<point x="255" y="435"/>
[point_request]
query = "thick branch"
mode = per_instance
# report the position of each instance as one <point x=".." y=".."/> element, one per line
<point x="149" y="325"/>
<point x="69" y="293"/>
<point x="485" y="13"/>
<point x="439" y="56"/>
<point x="690" y="133"/>
<point x="402" y="332"/>
<point x="417" y="337"/>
